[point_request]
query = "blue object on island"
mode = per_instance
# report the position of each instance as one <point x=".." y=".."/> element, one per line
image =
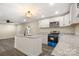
<point x="53" y="44"/>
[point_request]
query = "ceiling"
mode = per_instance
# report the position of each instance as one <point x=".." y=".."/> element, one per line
<point x="16" y="11"/>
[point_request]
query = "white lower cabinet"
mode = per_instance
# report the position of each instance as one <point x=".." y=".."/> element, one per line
<point x="29" y="46"/>
<point x="44" y="39"/>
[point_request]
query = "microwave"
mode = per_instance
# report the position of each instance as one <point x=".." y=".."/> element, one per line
<point x="53" y="24"/>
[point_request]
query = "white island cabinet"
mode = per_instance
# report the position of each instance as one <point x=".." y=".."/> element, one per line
<point x="31" y="46"/>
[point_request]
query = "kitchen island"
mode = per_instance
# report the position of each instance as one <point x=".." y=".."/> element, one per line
<point x="30" y="45"/>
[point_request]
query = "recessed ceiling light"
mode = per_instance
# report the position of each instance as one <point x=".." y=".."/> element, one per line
<point x="51" y="3"/>
<point x="42" y="16"/>
<point x="24" y="19"/>
<point x="56" y="12"/>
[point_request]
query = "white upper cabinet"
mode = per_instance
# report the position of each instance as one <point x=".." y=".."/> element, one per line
<point x="63" y="21"/>
<point x="52" y="19"/>
<point x="66" y="20"/>
<point x="57" y="19"/>
<point x="60" y="19"/>
<point x="44" y="23"/>
<point x="74" y="12"/>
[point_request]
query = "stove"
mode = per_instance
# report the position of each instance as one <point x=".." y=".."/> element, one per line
<point x="53" y="39"/>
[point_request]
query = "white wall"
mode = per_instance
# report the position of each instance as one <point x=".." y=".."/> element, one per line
<point x="7" y="31"/>
<point x="34" y="27"/>
<point x="20" y="28"/>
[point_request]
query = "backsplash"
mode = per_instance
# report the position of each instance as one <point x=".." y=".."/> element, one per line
<point x="68" y="30"/>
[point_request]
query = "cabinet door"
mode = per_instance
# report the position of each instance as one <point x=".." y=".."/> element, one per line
<point x="57" y="19"/>
<point x="66" y="20"/>
<point x="60" y="19"/>
<point x="53" y="19"/>
<point x="44" y="39"/>
<point x="74" y="12"/>
<point x="44" y="23"/>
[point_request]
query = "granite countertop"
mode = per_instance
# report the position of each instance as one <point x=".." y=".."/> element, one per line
<point x="31" y="36"/>
<point x="68" y="45"/>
